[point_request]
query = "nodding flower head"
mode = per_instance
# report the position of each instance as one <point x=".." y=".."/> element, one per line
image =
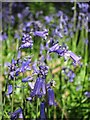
<point x="10" y="90"/>
<point x="43" y="70"/>
<point x="42" y="34"/>
<point x="69" y="74"/>
<point x="51" y="97"/>
<point x="27" y="79"/>
<point x="60" y="50"/>
<point x="42" y="110"/>
<point x="15" y="114"/>
<point x="83" y="7"/>
<point x="25" y="65"/>
<point x="74" y="57"/>
<point x="12" y="68"/>
<point x="87" y="94"/>
<point x="26" y="41"/>
<point x="39" y="88"/>
<point x="35" y="69"/>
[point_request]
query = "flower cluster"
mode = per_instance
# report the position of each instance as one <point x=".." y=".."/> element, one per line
<point x="63" y="51"/>
<point x="26" y="41"/>
<point x="69" y="74"/>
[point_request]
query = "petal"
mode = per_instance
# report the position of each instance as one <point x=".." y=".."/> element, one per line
<point x="10" y="89"/>
<point x="15" y="114"/>
<point x="51" y="97"/>
<point x="29" y="99"/>
<point x="42" y="110"/>
<point x="27" y="79"/>
<point x="75" y="58"/>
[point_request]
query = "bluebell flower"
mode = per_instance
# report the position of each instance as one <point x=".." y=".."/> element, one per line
<point x="48" y="19"/>
<point x="38" y="13"/>
<point x="60" y="50"/>
<point x="25" y="66"/>
<point x="34" y="67"/>
<point x="83" y="7"/>
<point x="15" y="114"/>
<point x="10" y="90"/>
<point x="41" y="48"/>
<point x="74" y="57"/>
<point x="39" y="87"/>
<point x="12" y="68"/>
<point x="21" y="115"/>
<point x="87" y="94"/>
<point x="3" y="36"/>
<point x="42" y="111"/>
<point x="19" y="54"/>
<point x="25" y="12"/>
<point x="29" y="99"/>
<point x="43" y="70"/>
<point x="26" y="41"/>
<point x="31" y="84"/>
<point x="17" y="36"/>
<point x="26" y="27"/>
<point x="69" y="74"/>
<point x="27" y="79"/>
<point x="58" y="33"/>
<point x="42" y="34"/>
<point x="51" y="97"/>
<point x="59" y="14"/>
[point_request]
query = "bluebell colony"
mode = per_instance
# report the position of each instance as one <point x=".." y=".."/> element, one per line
<point x="37" y="80"/>
<point x="40" y="88"/>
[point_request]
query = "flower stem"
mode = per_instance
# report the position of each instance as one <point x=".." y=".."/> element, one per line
<point x="13" y="94"/>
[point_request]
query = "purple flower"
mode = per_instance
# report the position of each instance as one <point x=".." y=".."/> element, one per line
<point x="54" y="48"/>
<point x="69" y="74"/>
<point x="41" y="48"/>
<point x="42" y="34"/>
<point x="51" y="97"/>
<point x="12" y="68"/>
<point x="61" y="50"/>
<point x="48" y="19"/>
<point x="26" y="41"/>
<point x="15" y="114"/>
<point x="83" y="6"/>
<point x="19" y="54"/>
<point x="74" y="57"/>
<point x="43" y="70"/>
<point x="39" y="87"/>
<point x="25" y="12"/>
<point x="17" y="36"/>
<point x="34" y="67"/>
<point x="27" y="79"/>
<point x="87" y="94"/>
<point x="57" y="32"/>
<point x="21" y="115"/>
<point x="3" y="36"/>
<point x="42" y="111"/>
<point x="25" y="65"/>
<point x="29" y="99"/>
<point x="10" y="90"/>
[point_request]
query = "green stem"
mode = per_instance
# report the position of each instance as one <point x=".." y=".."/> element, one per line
<point x="37" y="108"/>
<point x="1" y="106"/>
<point x="75" y="15"/>
<point x="13" y="94"/>
<point x="75" y="37"/>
